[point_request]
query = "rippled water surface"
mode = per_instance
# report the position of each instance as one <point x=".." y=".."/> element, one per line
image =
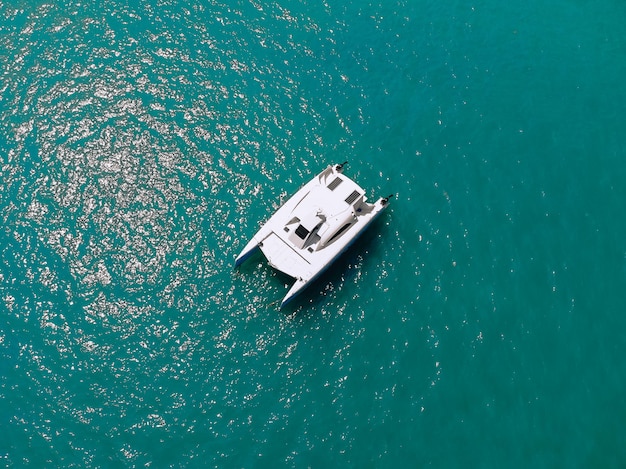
<point x="479" y="321"/>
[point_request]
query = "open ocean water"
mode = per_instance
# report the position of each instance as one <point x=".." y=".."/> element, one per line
<point x="479" y="323"/>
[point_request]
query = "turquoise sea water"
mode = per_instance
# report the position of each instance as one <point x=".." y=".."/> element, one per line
<point x="479" y="323"/>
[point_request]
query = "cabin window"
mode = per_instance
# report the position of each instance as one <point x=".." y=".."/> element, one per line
<point x="302" y="232"/>
<point x="334" y="183"/>
<point x="352" y="197"/>
<point x="339" y="232"/>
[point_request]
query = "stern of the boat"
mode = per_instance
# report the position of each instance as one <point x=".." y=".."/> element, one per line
<point x="294" y="291"/>
<point x="248" y="251"/>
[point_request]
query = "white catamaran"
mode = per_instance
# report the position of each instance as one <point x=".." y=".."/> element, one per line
<point x="314" y="227"/>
